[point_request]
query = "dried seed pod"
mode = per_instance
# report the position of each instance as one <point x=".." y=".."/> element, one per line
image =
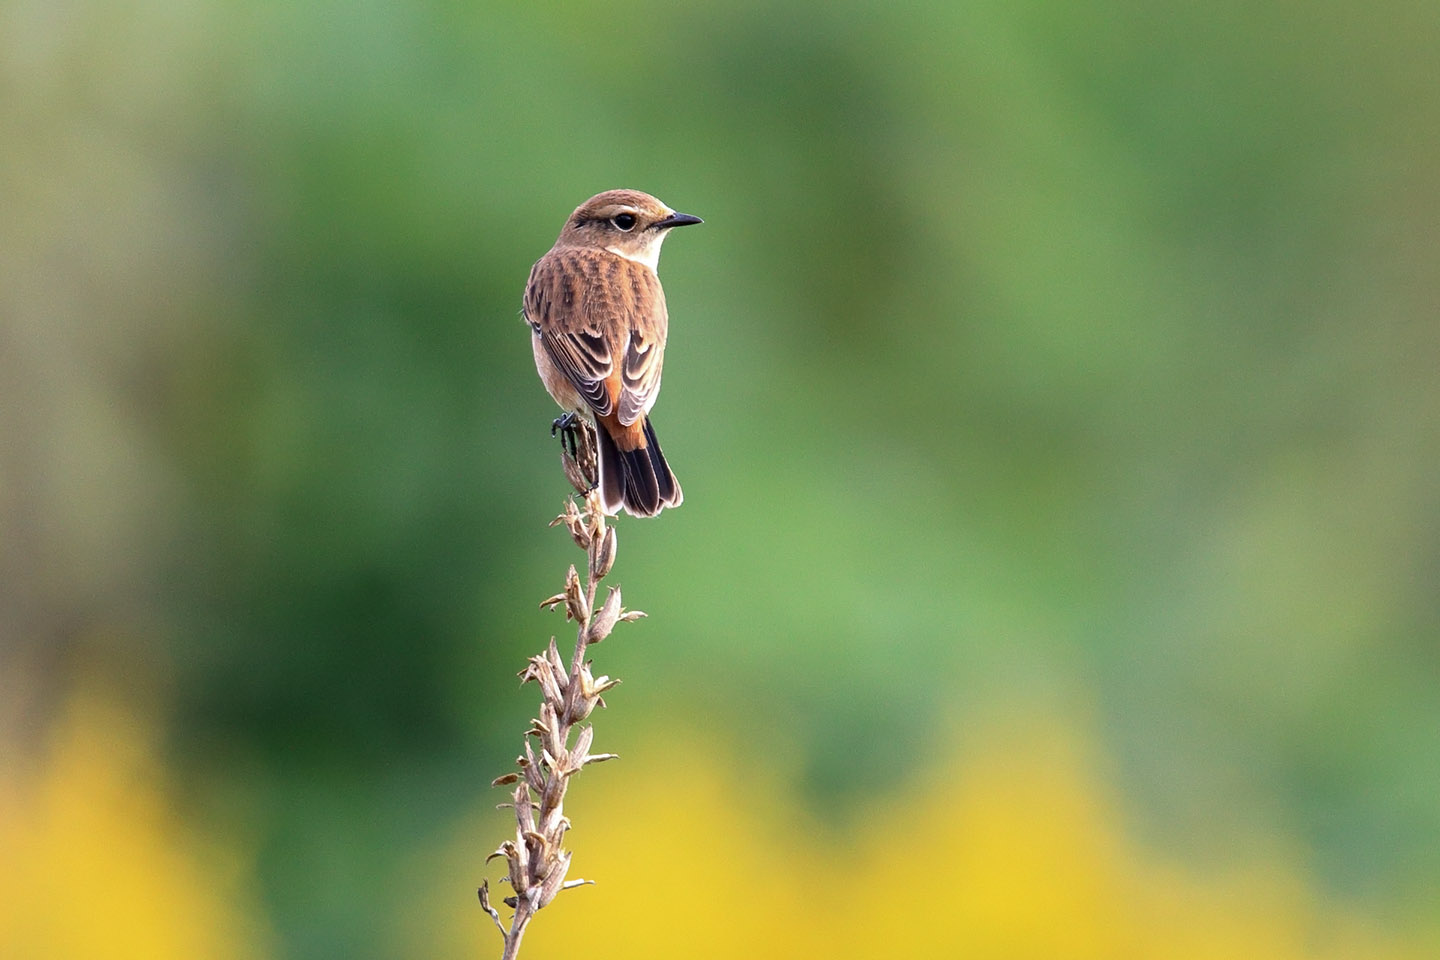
<point x="574" y="521"/>
<point x="553" y="653"/>
<point x="575" y="472"/>
<point x="555" y="828"/>
<point x="524" y="815"/>
<point x="534" y="773"/>
<point x="587" y="456"/>
<point x="604" y="620"/>
<point x="581" y="708"/>
<point x="554" y="880"/>
<point x="582" y="749"/>
<point x="538" y="846"/>
<point x="552" y="736"/>
<point x="575" y="605"/>
<point x="590" y="687"/>
<point x="594" y="509"/>
<point x="543" y="672"/>
<point x="602" y="554"/>
<point x="535" y="778"/>
<point x="514" y="862"/>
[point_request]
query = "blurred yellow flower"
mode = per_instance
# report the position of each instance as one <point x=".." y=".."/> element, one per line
<point x="98" y="866"/>
<point x="1015" y="851"/>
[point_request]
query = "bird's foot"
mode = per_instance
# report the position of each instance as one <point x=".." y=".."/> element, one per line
<point x="567" y="427"/>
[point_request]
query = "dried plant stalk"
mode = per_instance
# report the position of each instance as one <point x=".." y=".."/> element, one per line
<point x="536" y="859"/>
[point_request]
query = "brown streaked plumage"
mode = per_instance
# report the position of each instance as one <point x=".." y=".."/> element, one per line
<point x="597" y="313"/>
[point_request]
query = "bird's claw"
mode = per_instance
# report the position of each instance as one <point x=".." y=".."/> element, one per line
<point x="563" y="423"/>
<point x="569" y="429"/>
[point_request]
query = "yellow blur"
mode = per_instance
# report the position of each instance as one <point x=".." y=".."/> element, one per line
<point x="95" y="863"/>
<point x="1018" y="851"/>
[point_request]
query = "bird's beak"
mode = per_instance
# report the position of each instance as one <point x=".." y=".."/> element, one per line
<point x="676" y="220"/>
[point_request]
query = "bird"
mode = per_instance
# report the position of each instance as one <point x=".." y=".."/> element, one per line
<point x="598" y="323"/>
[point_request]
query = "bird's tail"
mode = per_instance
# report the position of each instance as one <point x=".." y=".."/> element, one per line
<point x="638" y="479"/>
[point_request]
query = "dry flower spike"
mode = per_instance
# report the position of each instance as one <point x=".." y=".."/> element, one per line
<point x="536" y="861"/>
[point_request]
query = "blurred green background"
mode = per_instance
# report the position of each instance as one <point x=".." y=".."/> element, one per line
<point x="1038" y="367"/>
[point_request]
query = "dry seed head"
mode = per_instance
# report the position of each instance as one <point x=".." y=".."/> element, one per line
<point x="538" y="846"/>
<point x="550" y="734"/>
<point x="554" y="880"/>
<point x="549" y="686"/>
<point x="582" y="744"/>
<point x="515" y="863"/>
<point x="574" y="472"/>
<point x="602" y="554"/>
<point x="554" y="824"/>
<point x="582" y="708"/>
<point x="594" y="507"/>
<point x="524" y="814"/>
<point x="604" y="620"/>
<point x="591" y="688"/>
<point x="536" y="860"/>
<point x="535" y="777"/>
<point x="554" y="793"/>
<point x="575" y="605"/>
<point x="553" y="653"/>
<point x="542" y="724"/>
<point x="596" y="520"/>
<point x="575" y="523"/>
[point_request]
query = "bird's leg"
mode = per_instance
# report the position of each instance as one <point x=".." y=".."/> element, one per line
<point x="566" y="427"/>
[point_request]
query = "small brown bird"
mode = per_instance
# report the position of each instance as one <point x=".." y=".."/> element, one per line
<point x="598" y="316"/>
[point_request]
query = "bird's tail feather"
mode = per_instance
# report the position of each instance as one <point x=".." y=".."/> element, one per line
<point x="639" y="480"/>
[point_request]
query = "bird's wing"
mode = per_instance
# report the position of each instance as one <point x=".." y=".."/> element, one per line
<point x="590" y="308"/>
<point x="640" y="373"/>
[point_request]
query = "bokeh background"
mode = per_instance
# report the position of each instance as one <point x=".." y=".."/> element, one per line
<point x="1054" y="388"/>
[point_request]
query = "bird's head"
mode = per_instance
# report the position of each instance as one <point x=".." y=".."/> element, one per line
<point x="625" y="222"/>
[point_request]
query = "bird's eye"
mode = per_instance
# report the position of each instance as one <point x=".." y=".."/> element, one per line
<point x="624" y="221"/>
